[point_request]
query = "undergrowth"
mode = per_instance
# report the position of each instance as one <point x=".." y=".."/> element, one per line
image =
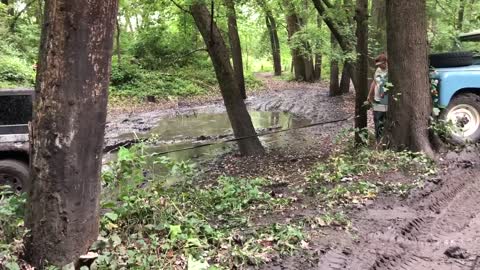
<point x="159" y="227"/>
<point x="355" y="174"/>
<point x="131" y="81"/>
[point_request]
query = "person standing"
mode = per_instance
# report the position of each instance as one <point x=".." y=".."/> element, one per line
<point x="378" y="96"/>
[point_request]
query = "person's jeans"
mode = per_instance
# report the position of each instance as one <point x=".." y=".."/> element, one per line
<point x="379" y="119"/>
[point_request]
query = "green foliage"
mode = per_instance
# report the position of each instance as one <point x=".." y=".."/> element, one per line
<point x="343" y="178"/>
<point x="11" y="227"/>
<point x="151" y="226"/>
<point x="15" y="72"/>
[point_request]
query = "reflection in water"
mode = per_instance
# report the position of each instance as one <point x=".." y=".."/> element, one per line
<point x="189" y="128"/>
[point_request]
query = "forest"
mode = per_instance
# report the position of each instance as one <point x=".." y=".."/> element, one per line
<point x="239" y="134"/>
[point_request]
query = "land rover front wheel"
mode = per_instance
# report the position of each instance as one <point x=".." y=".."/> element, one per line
<point x="15" y="174"/>
<point x="463" y="118"/>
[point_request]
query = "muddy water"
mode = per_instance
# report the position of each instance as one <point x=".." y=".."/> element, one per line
<point x="186" y="131"/>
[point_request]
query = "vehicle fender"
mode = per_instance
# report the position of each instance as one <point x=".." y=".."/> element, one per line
<point x="452" y="83"/>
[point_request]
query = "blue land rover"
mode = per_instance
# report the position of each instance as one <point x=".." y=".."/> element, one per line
<point x="458" y="77"/>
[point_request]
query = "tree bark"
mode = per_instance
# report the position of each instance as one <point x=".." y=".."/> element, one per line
<point x="119" y="47"/>
<point x="410" y="103"/>
<point x="334" y="71"/>
<point x="317" y="73"/>
<point x="298" y="63"/>
<point x="361" y="90"/>
<point x="236" y="108"/>
<point x="275" y="43"/>
<point x="379" y="25"/>
<point x="68" y="130"/>
<point x="345" y="81"/>
<point x="236" y="47"/>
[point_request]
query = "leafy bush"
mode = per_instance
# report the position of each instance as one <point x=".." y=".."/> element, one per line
<point x="11" y="227"/>
<point x="15" y="71"/>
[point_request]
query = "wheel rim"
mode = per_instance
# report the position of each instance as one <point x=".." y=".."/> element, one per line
<point x="11" y="180"/>
<point x="466" y="120"/>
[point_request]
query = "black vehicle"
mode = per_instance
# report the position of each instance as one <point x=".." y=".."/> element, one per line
<point x="16" y="109"/>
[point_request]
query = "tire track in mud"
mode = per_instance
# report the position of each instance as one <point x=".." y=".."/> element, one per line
<point x="450" y="209"/>
<point x="418" y="243"/>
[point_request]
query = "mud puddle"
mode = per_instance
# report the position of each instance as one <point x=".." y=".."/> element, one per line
<point x="183" y="136"/>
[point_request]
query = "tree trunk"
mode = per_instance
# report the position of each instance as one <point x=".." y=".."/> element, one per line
<point x="345" y="43"/>
<point x="298" y="63"/>
<point x="119" y="48"/>
<point x="345" y="81"/>
<point x="361" y="90"/>
<point x="273" y="33"/>
<point x="410" y="103"/>
<point x="317" y="73"/>
<point x="334" y="71"/>
<point x="68" y="130"/>
<point x="379" y="25"/>
<point x="235" y="47"/>
<point x="309" y="67"/>
<point x="236" y="109"/>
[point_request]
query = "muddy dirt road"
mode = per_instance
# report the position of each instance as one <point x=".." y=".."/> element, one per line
<point x="307" y="101"/>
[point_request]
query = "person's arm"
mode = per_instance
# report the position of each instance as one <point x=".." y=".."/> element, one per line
<point x="371" y="93"/>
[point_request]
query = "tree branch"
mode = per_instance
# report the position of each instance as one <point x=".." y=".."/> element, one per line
<point x="328" y="3"/>
<point x="17" y="16"/>
<point x="334" y="28"/>
<point x="180" y="7"/>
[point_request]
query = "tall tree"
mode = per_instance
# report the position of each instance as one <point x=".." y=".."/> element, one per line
<point x="334" y="70"/>
<point x="317" y="73"/>
<point x="273" y="34"/>
<point x="237" y="112"/>
<point x="118" y="48"/>
<point x="379" y="25"/>
<point x="302" y="64"/>
<point x="410" y="103"/>
<point x="345" y="80"/>
<point x="361" y="91"/>
<point x="346" y="44"/>
<point x="68" y="130"/>
<point x="235" y="46"/>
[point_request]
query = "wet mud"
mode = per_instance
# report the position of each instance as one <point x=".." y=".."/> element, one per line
<point x="437" y="227"/>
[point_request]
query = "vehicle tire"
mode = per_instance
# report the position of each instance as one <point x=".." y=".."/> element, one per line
<point x="15" y="174"/>
<point x="452" y="59"/>
<point x="464" y="112"/>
